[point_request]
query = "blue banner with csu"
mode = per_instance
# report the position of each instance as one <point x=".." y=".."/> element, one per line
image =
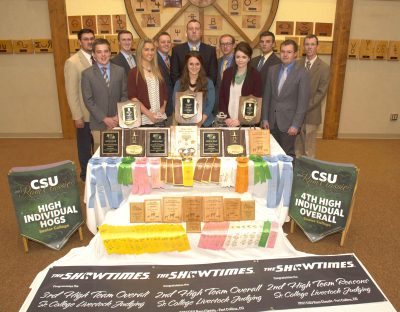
<point x="322" y="194"/>
<point x="46" y="201"/>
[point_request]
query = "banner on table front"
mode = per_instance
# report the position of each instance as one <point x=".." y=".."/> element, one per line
<point x="259" y="285"/>
<point x="322" y="195"/>
<point x="46" y="201"/>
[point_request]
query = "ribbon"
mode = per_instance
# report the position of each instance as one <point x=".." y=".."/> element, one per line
<point x="125" y="171"/>
<point x="141" y="183"/>
<point x="155" y="173"/>
<point x="261" y="169"/>
<point x="242" y="175"/>
<point x="188" y="172"/>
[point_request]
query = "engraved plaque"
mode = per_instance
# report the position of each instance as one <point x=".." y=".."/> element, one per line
<point x="354" y="48"/>
<point x="111" y="143"/>
<point x="140" y="6"/>
<point x="136" y="212"/>
<point x="277" y="47"/>
<point x="6" y="47"/>
<point x="192" y="207"/>
<point x="193" y="227"/>
<point x="151" y="20"/>
<point x="284" y="28"/>
<point x="172" y="209"/>
<point x="234" y="142"/>
<point x="367" y="49"/>
<point x="232" y="209"/>
<point x="188" y="107"/>
<point x="74" y="24"/>
<point x="129" y="115"/>
<point x="43" y="45"/>
<point x="73" y="45"/>
<point x="172" y="3"/>
<point x="381" y="50"/>
<point x="323" y="29"/>
<point x="134" y="142"/>
<point x="248" y="210"/>
<point x="23" y="46"/>
<point x="325" y="47"/>
<point x="177" y="34"/>
<point x="249" y="110"/>
<point x="104" y="24"/>
<point x="190" y="15"/>
<point x="113" y="40"/>
<point x="89" y="21"/>
<point x="304" y="28"/>
<point x="259" y="142"/>
<point x="213" y="22"/>
<point x="152" y="210"/>
<point x="394" y="50"/>
<point x="234" y="7"/>
<point x="154" y="6"/>
<point x="211" y="40"/>
<point x="213" y="209"/>
<point x="251" y="21"/>
<point x="119" y="22"/>
<point x="210" y="143"/>
<point x="157" y="143"/>
<point x="252" y="6"/>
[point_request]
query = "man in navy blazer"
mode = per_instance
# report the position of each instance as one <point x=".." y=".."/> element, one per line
<point x="125" y="57"/>
<point x="207" y="52"/>
<point x="286" y="97"/>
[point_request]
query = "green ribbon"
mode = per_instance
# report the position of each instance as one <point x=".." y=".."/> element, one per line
<point x="125" y="171"/>
<point x="265" y="233"/>
<point x="261" y="169"/>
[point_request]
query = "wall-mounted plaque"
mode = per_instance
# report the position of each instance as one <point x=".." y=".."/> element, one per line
<point x="43" y="45"/>
<point x="251" y="21"/>
<point x="353" y="51"/>
<point x="381" y="50"/>
<point x="89" y="21"/>
<point x="113" y="40"/>
<point x="234" y="7"/>
<point x="172" y="3"/>
<point x="277" y="47"/>
<point x="325" y="47"/>
<point x="22" y="46"/>
<point x="252" y="6"/>
<point x="177" y="34"/>
<point x="211" y="40"/>
<point x="323" y="29"/>
<point x="6" y="47"/>
<point x="213" y="22"/>
<point x="304" y="28"/>
<point x="129" y="115"/>
<point x="394" y="51"/>
<point x="74" y="24"/>
<point x="151" y="20"/>
<point x="73" y="45"/>
<point x="259" y="143"/>
<point x="154" y="6"/>
<point x="284" y="28"/>
<point x="192" y="208"/>
<point x="213" y="209"/>
<point x="152" y="210"/>
<point x="139" y="6"/>
<point x="104" y="24"/>
<point x="111" y="143"/>
<point x="249" y="110"/>
<point x="188" y="107"/>
<point x="234" y="142"/>
<point x="172" y="209"/>
<point x="157" y="143"/>
<point x="232" y="209"/>
<point x="119" y="22"/>
<point x="134" y="142"/>
<point x="190" y="15"/>
<point x="210" y="143"/>
<point x="367" y="49"/>
<point x="248" y="210"/>
<point x="136" y="212"/>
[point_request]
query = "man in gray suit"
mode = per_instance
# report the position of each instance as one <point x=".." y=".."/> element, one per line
<point x="267" y="58"/>
<point x="72" y="73"/>
<point x="286" y="96"/>
<point x="125" y="58"/>
<point x="103" y="86"/>
<point x="319" y="77"/>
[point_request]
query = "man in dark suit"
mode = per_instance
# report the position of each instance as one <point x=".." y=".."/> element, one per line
<point x="207" y="52"/>
<point x="125" y="58"/>
<point x="267" y="58"/>
<point x="226" y="44"/>
<point x="103" y="86"/>
<point x="319" y="78"/>
<point x="286" y="97"/>
<point x="163" y="42"/>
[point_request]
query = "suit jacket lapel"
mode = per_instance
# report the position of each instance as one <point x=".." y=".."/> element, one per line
<point x="83" y="59"/>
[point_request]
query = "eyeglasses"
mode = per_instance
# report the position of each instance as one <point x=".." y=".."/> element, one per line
<point x="226" y="44"/>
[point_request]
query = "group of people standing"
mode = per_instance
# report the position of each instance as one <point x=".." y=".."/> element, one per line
<point x="291" y="91"/>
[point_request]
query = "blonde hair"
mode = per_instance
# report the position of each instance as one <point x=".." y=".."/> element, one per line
<point x="153" y="64"/>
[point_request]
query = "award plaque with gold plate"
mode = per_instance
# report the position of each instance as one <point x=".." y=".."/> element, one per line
<point x="157" y="143"/>
<point x="129" y="114"/>
<point x="134" y="142"/>
<point x="249" y="110"/>
<point x="210" y="143"/>
<point x="234" y="142"/>
<point x="188" y="107"/>
<point x="111" y="143"/>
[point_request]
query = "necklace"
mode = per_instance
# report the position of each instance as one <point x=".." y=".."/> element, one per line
<point x="147" y="69"/>
<point x="240" y="78"/>
<point x="192" y="85"/>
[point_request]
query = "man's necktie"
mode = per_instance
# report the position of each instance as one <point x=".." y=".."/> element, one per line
<point x="107" y="80"/>
<point x="308" y="65"/>
<point x="93" y="60"/>
<point x="167" y="62"/>
<point x="224" y="65"/>
<point x="131" y="61"/>
<point x="282" y="80"/>
<point x="194" y="48"/>
<point x="261" y="64"/>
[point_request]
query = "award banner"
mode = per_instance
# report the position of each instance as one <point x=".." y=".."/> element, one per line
<point x="322" y="194"/>
<point x="46" y="201"/>
<point x="260" y="285"/>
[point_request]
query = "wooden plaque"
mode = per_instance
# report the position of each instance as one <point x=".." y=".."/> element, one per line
<point x="43" y="45"/>
<point x="136" y="212"/>
<point x="248" y="210"/>
<point x="172" y="209"/>
<point x="151" y="20"/>
<point x="177" y="34"/>
<point x="304" y="28"/>
<point x="211" y="40"/>
<point x="193" y="227"/>
<point x="192" y="208"/>
<point x="210" y="143"/>
<point x="232" y="208"/>
<point x="235" y="7"/>
<point x="323" y="29"/>
<point x="119" y="23"/>
<point x="213" y="22"/>
<point x="259" y="142"/>
<point x="23" y="46"/>
<point x="104" y="24"/>
<point x="152" y="210"/>
<point x="249" y="110"/>
<point x="154" y="6"/>
<point x="251" y="21"/>
<point x="172" y="3"/>
<point x="284" y="28"/>
<point x="190" y="15"/>
<point x="367" y="49"/>
<point x="325" y="47"/>
<point x="74" y="45"/>
<point x="277" y="47"/>
<point x="157" y="143"/>
<point x="394" y="51"/>
<point x="188" y="107"/>
<point x="140" y="6"/>
<point x="6" y="47"/>
<point x="89" y="21"/>
<point x="74" y="24"/>
<point x="113" y="40"/>
<point x="353" y="51"/>
<point x="234" y="142"/>
<point x="381" y="50"/>
<point x="111" y="143"/>
<point x="134" y="143"/>
<point x="252" y="6"/>
<point x="213" y="209"/>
